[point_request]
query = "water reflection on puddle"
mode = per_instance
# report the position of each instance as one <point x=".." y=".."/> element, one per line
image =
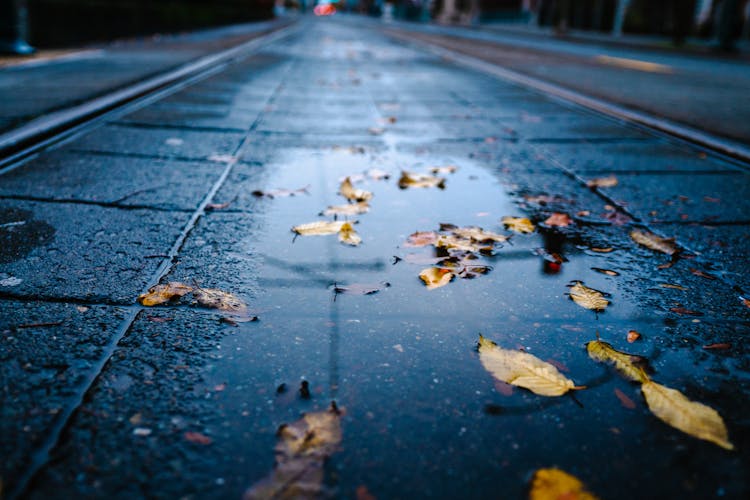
<point x="423" y="418"/>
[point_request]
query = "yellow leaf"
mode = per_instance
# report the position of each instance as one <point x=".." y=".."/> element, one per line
<point x="555" y="484"/>
<point x="221" y="300"/>
<point x="301" y="452"/>
<point x="349" y="236"/>
<point x="654" y="242"/>
<point x="435" y="277"/>
<point x="161" y="294"/>
<point x="479" y="234"/>
<point x="447" y="169"/>
<point x="319" y="228"/>
<point x="588" y="297"/>
<point x="462" y="244"/>
<point x="349" y="209"/>
<point x="691" y="417"/>
<point x="348" y="191"/>
<point x="602" y="182"/>
<point x="523" y="370"/>
<point x="412" y="180"/>
<point x="625" y="363"/>
<point x="518" y="224"/>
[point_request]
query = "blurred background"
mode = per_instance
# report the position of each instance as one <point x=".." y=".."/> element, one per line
<point x="55" y="23"/>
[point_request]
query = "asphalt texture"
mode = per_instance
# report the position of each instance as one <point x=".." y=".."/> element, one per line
<point x="705" y="92"/>
<point x="33" y="86"/>
<point x="104" y="397"/>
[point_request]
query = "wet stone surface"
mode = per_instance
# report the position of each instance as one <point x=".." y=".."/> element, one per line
<point x="191" y="399"/>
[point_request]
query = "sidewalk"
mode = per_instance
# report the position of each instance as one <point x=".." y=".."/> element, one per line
<point x="105" y="397"/>
<point x="32" y="86"/>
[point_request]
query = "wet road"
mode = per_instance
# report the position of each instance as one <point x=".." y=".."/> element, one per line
<point x="707" y="92"/>
<point x="166" y="193"/>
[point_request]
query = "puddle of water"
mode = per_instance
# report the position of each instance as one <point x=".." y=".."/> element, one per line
<point x="423" y="417"/>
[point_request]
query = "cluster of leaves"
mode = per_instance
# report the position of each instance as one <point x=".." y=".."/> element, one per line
<point x="212" y="298"/>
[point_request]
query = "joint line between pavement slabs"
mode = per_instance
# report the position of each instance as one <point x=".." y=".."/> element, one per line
<point x="42" y="455"/>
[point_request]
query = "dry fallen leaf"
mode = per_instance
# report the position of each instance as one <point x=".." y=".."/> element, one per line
<point x="301" y="452"/>
<point x="447" y="169"/>
<point x="421" y="239"/>
<point x="555" y="484"/>
<point x="161" y="294"/>
<point x="602" y="182"/>
<point x="602" y="250"/>
<point x="702" y="274"/>
<point x="451" y="242"/>
<point x="558" y="219"/>
<point x="654" y="242"/>
<point x="349" y="209"/>
<point x="518" y="224"/>
<point x="627" y="364"/>
<point x="213" y="298"/>
<point x="319" y="228"/>
<point x="633" y="336"/>
<point x="675" y="287"/>
<point x="608" y="272"/>
<point x="349" y="192"/>
<point x="523" y="370"/>
<point x="349" y="236"/>
<point x="476" y="233"/>
<point x="413" y="180"/>
<point x="691" y="417"/>
<point x="588" y="297"/>
<point x="435" y="277"/>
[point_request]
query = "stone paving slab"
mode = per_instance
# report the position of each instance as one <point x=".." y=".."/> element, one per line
<point x="83" y="252"/>
<point x="157" y="142"/>
<point x="113" y="180"/>
<point x="41" y="367"/>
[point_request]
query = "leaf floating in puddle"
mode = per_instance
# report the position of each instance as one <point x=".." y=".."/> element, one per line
<point x="319" y="228"/>
<point x="633" y="335"/>
<point x="452" y="242"/>
<point x="627" y="364"/>
<point x="281" y="193"/>
<point x="301" y="452"/>
<point x="608" y="272"/>
<point x="702" y="274"/>
<point x="412" y="180"/>
<point x="349" y="236"/>
<point x="523" y="370"/>
<point x="349" y="209"/>
<point x="349" y="192"/>
<point x="421" y="239"/>
<point x="602" y="182"/>
<point x="588" y="297"/>
<point x="558" y="219"/>
<point x="447" y="169"/>
<point x="435" y="277"/>
<point x="214" y="298"/>
<point x="161" y="294"/>
<point x="518" y="224"/>
<point x="654" y="242"/>
<point x="475" y="233"/>
<point x="696" y="419"/>
<point x="555" y="484"/>
<point x="602" y="250"/>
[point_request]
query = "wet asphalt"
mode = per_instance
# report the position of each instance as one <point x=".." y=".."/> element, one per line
<point x="99" y="394"/>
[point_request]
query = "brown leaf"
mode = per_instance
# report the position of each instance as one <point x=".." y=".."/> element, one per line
<point x="436" y="277"/>
<point x="602" y="250"/>
<point x="198" y="438"/>
<point x="624" y="399"/>
<point x="558" y="219"/>
<point x="633" y="336"/>
<point x="348" y="191"/>
<point x="161" y="294"/>
<point x="588" y="298"/>
<point x="214" y="298"/>
<point x="608" y="272"/>
<point x="698" y="272"/>
<point x="654" y="242"/>
<point x="301" y="452"/>
<point x="685" y="312"/>
<point x="413" y="180"/>
<point x="719" y="347"/>
<point x="602" y="182"/>
<point x="421" y="239"/>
